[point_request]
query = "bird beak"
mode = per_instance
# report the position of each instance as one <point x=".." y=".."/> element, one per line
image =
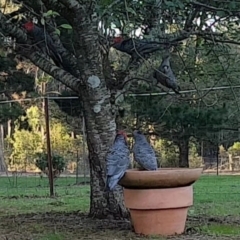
<point x="111" y="42"/>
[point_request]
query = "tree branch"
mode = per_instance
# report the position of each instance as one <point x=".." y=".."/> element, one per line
<point x="68" y="59"/>
<point x="71" y="4"/>
<point x="229" y="41"/>
<point x="189" y="20"/>
<point x="56" y="72"/>
<point x="62" y="10"/>
<point x="59" y="74"/>
<point x="12" y="30"/>
<point x="152" y="20"/>
<point x="213" y="8"/>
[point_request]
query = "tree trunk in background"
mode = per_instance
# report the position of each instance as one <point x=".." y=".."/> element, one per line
<point x="183" y="145"/>
<point x="9" y="128"/>
<point x="2" y="161"/>
<point x="231" y="168"/>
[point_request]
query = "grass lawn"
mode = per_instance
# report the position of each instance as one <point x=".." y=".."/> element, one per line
<point x="27" y="212"/>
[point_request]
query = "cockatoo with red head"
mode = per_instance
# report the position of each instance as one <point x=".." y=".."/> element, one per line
<point x="117" y="160"/>
<point x="43" y="41"/>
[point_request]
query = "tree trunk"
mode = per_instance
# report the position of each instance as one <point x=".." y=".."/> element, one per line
<point x="2" y="161"/>
<point x="9" y="128"/>
<point x="183" y="145"/>
<point x="99" y="121"/>
<point x="231" y="165"/>
<point x="100" y="130"/>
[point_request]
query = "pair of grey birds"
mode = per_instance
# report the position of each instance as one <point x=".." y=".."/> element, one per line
<point x="118" y="158"/>
<point x="136" y="48"/>
<point x="139" y="48"/>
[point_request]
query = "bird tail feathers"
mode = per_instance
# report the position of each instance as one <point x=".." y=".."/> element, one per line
<point x="112" y="181"/>
<point x="111" y="184"/>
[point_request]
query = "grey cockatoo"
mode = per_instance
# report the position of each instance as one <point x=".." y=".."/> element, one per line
<point x="118" y="160"/>
<point x="143" y="153"/>
<point x="136" y="47"/>
<point x="43" y="40"/>
<point x="171" y="81"/>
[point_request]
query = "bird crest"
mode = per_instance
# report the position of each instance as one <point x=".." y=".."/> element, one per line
<point x="29" y="26"/>
<point x="121" y="132"/>
<point x="117" y="40"/>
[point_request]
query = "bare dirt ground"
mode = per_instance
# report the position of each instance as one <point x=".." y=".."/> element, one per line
<point x="72" y="226"/>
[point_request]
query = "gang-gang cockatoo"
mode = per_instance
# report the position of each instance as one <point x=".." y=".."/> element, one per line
<point x="171" y="81"/>
<point x="143" y="153"/>
<point x="117" y="160"/>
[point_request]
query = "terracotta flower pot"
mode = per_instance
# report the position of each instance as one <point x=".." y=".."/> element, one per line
<point x="158" y="201"/>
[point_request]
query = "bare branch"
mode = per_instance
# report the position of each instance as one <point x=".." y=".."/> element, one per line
<point x="183" y="35"/>
<point x="12" y="30"/>
<point x="213" y="8"/>
<point x="71" y="4"/>
<point x="59" y="74"/>
<point x="190" y="18"/>
<point x="67" y="57"/>
<point x="56" y="72"/>
<point x="222" y="41"/>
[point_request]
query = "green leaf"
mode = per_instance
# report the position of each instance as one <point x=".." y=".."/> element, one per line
<point x="169" y="3"/>
<point x="232" y="5"/>
<point x="117" y="23"/>
<point x="42" y="21"/>
<point x="57" y="31"/>
<point x="131" y="11"/>
<point x="181" y="5"/>
<point x="220" y="13"/>
<point x="48" y="13"/>
<point x="55" y="13"/>
<point x="51" y="13"/>
<point x="66" y="26"/>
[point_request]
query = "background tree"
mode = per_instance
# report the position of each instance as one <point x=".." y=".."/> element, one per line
<point x="27" y="139"/>
<point x="15" y="84"/>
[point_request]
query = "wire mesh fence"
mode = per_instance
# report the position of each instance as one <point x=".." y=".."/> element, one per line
<point x="24" y="136"/>
<point x="24" y="188"/>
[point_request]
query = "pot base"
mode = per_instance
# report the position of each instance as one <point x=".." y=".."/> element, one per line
<point x="159" y="222"/>
<point x="159" y="211"/>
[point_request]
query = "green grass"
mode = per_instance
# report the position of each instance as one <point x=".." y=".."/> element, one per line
<point x="217" y="196"/>
<point x="53" y="236"/>
<point x="31" y="194"/>
<point x="221" y="229"/>
<point x="216" y="208"/>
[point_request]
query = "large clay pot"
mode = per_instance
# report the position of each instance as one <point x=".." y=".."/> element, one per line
<point x="158" y="201"/>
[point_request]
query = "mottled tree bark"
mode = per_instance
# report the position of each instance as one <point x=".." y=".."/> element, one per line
<point x="100" y="129"/>
<point x="99" y="120"/>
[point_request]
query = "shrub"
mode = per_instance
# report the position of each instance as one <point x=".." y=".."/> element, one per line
<point x="58" y="163"/>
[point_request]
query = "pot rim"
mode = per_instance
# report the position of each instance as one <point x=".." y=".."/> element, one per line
<point x="162" y="178"/>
